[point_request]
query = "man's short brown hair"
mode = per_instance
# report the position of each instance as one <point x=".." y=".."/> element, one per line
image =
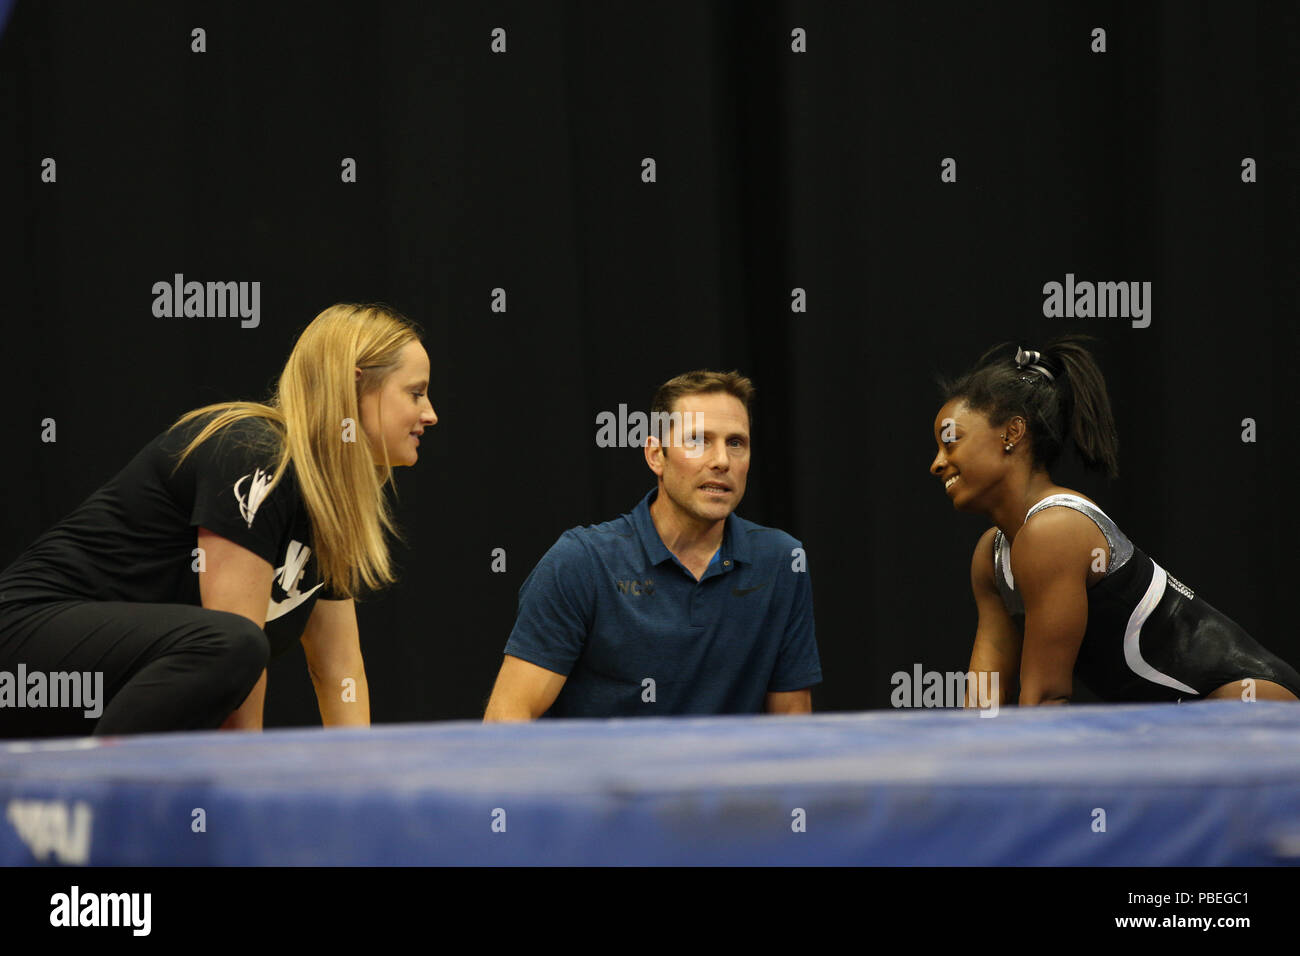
<point x="701" y="381"/>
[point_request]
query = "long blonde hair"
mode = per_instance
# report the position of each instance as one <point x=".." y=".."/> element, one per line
<point x="317" y="393"/>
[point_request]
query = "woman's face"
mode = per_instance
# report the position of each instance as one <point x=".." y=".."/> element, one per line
<point x="398" y="411"/>
<point x="972" y="459"/>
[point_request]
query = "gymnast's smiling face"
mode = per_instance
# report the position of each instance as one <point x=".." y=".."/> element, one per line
<point x="972" y="460"/>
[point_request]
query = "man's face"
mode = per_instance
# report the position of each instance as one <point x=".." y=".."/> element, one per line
<point x="706" y="462"/>
<point x="406" y="410"/>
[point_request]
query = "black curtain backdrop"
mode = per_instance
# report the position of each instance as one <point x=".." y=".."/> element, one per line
<point x="776" y="170"/>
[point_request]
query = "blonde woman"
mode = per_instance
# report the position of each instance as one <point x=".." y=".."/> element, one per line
<point x="243" y="527"/>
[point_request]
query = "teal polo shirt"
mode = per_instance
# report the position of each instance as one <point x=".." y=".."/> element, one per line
<point x="612" y="609"/>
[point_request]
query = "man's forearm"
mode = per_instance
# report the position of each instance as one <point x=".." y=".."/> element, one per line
<point x="790" y="702"/>
<point x="502" y="712"/>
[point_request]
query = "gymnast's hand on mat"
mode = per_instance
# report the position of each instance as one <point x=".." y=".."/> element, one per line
<point x="997" y="639"/>
<point x="333" y="648"/>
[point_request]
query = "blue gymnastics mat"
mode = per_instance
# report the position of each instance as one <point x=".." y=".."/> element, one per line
<point x="1191" y="784"/>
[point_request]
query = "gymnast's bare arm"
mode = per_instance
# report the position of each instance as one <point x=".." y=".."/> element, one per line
<point x="332" y="644"/>
<point x="1051" y="558"/>
<point x="523" y="691"/>
<point x="237" y="580"/>
<point x="997" y="640"/>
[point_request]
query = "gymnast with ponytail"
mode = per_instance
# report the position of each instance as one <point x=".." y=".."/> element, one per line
<point x="1062" y="593"/>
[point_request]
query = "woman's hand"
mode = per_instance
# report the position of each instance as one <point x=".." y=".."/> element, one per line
<point x="249" y="714"/>
<point x="332" y="644"/>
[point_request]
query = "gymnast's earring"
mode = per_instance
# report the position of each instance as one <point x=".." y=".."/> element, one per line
<point x="1007" y="447"/>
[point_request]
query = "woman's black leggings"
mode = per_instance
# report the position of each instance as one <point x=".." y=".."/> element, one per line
<point x="160" y="667"/>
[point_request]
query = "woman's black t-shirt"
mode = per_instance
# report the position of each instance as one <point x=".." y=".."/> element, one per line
<point x="136" y="538"/>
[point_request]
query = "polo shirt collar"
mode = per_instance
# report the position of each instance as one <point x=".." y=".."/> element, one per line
<point x="735" y="546"/>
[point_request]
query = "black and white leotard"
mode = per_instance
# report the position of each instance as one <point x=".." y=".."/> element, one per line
<point x="1149" y="637"/>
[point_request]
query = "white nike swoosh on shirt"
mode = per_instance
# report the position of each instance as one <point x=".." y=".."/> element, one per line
<point x="276" y="609"/>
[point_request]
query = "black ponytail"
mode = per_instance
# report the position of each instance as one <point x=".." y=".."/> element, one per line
<point x="1060" y="393"/>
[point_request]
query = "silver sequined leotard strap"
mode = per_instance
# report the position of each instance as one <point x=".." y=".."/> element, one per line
<point x="1121" y="548"/>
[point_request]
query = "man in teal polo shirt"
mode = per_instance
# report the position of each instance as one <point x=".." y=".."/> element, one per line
<point x="680" y="606"/>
